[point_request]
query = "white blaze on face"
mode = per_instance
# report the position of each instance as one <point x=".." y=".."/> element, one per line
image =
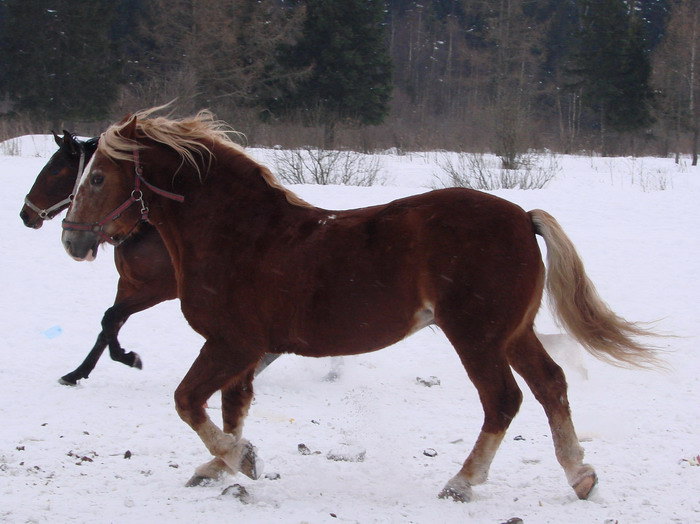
<point x="75" y="205"/>
<point x="83" y="177"/>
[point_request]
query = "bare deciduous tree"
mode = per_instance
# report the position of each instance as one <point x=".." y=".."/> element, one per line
<point x="217" y="53"/>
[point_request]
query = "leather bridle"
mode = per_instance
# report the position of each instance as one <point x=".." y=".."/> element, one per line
<point x="136" y="196"/>
<point x="45" y="214"/>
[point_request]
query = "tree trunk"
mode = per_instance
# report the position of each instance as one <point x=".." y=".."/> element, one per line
<point x="603" y="141"/>
<point x="329" y="134"/>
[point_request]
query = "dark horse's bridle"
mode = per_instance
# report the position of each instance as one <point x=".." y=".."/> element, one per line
<point x="136" y="196"/>
<point x="45" y="214"/>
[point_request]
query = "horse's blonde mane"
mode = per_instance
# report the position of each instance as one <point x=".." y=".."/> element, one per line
<point x="190" y="137"/>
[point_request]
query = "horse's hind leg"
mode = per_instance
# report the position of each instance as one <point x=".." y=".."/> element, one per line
<point x="547" y="382"/>
<point x="216" y="369"/>
<point x="500" y="397"/>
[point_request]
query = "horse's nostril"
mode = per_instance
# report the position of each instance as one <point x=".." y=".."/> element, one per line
<point x="23" y="215"/>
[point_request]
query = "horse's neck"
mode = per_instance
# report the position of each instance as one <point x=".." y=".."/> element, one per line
<point x="235" y="204"/>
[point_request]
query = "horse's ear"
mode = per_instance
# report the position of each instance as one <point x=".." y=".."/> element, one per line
<point x="70" y="143"/>
<point x="59" y="141"/>
<point x="128" y="129"/>
<point x="91" y="144"/>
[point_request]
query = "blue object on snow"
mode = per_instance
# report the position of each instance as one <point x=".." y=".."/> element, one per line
<point x="52" y="332"/>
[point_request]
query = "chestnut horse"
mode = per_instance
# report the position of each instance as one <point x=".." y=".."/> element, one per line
<point x="146" y="276"/>
<point x="258" y="269"/>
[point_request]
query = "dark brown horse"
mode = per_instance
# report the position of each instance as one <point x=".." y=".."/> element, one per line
<point x="51" y="192"/>
<point x="146" y="275"/>
<point x="258" y="270"/>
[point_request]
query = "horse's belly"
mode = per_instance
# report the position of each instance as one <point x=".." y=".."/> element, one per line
<point x="362" y="331"/>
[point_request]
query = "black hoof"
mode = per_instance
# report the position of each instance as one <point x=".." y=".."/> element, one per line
<point x="136" y="360"/>
<point x="67" y="380"/>
<point x="198" y="480"/>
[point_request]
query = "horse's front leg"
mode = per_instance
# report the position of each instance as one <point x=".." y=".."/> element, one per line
<point x="215" y="369"/>
<point x="84" y="369"/>
<point x="131" y="298"/>
<point x="235" y="402"/>
<point x="112" y="321"/>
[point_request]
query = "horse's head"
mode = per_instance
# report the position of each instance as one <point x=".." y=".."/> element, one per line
<point x="109" y="200"/>
<point x="52" y="189"/>
<point x="103" y="208"/>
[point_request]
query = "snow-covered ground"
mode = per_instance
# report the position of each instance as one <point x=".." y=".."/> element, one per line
<point x="62" y="450"/>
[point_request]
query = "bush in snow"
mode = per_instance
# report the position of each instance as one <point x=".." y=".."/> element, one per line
<point x="477" y="171"/>
<point x="321" y="166"/>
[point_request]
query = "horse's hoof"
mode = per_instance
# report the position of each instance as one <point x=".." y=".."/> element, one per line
<point x="457" y="490"/>
<point x="67" y="381"/>
<point x="585" y="482"/>
<point x="198" y="480"/>
<point x="238" y="492"/>
<point x="137" y="363"/>
<point x="457" y="496"/>
<point x="251" y="465"/>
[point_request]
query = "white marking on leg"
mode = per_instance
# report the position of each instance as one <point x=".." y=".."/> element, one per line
<point x="225" y="446"/>
<point x="213" y="469"/>
<point x="475" y="469"/>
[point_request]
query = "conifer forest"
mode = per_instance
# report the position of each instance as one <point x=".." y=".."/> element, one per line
<point x="503" y="76"/>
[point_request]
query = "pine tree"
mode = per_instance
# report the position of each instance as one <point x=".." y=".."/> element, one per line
<point x="4" y="45"/>
<point x="59" y="60"/>
<point x="654" y="15"/>
<point x="350" y="81"/>
<point x="612" y="67"/>
<point x="212" y="53"/>
<point x="631" y="109"/>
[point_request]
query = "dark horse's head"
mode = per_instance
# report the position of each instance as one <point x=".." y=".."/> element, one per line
<point x="52" y="189"/>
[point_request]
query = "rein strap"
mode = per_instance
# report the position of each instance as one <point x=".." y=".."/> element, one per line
<point x="157" y="190"/>
<point x="135" y="196"/>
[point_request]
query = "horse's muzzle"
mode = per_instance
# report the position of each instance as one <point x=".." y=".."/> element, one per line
<point x="35" y="222"/>
<point x="81" y="245"/>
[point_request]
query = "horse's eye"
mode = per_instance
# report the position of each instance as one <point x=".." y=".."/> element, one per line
<point x="96" y="180"/>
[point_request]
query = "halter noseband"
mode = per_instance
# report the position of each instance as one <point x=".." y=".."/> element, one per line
<point x="135" y="196"/>
<point x="44" y="214"/>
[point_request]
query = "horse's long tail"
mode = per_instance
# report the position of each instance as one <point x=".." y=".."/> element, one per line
<point x="579" y="309"/>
